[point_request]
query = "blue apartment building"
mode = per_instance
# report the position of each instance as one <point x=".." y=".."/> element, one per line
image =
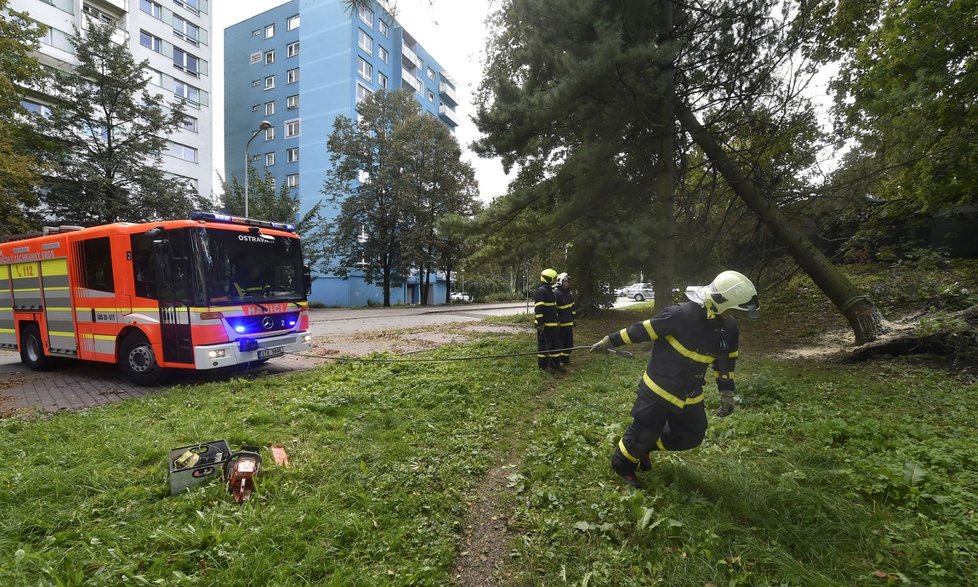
<point x="299" y="66"/>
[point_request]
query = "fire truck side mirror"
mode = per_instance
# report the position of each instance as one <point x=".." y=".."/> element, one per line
<point x="307" y="278"/>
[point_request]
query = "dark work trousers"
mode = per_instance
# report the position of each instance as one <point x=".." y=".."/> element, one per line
<point x="548" y="341"/>
<point x="656" y="426"/>
<point x="566" y="342"/>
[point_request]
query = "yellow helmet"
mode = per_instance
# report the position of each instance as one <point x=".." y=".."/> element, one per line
<point x="733" y="290"/>
<point x="548" y="276"/>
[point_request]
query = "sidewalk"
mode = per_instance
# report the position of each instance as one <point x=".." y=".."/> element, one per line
<point x="78" y="385"/>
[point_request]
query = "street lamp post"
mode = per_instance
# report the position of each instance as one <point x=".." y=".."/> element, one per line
<point x="265" y="125"/>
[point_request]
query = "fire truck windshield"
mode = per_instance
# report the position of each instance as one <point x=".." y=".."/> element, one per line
<point x="249" y="266"/>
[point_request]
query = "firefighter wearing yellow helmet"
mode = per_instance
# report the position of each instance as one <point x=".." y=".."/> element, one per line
<point x="545" y="318"/>
<point x="565" y="317"/>
<point x="668" y="413"/>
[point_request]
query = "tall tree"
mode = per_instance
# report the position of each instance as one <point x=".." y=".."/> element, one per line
<point x="367" y="180"/>
<point x="20" y="73"/>
<point x="906" y="93"/>
<point x="116" y="133"/>
<point x="574" y="89"/>
<point x="439" y="183"/>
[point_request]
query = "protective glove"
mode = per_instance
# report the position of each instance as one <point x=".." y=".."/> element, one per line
<point x="602" y="345"/>
<point x="726" y="405"/>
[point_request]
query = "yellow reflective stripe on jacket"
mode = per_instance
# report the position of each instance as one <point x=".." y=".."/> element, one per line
<point x="647" y="324"/>
<point x="551" y="324"/>
<point x="624" y="336"/>
<point x="669" y="397"/>
<point x="566" y="323"/>
<point x="691" y="355"/>
<point x="565" y="306"/>
<point x="734" y="354"/>
<point x="624" y="451"/>
<point x="544" y="304"/>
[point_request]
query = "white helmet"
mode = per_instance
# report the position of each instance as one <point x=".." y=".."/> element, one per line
<point x="561" y="278"/>
<point x="733" y="290"/>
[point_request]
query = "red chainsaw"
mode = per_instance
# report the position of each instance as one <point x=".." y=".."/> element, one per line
<point x="240" y="470"/>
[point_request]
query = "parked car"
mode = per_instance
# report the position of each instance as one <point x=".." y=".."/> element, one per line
<point x="460" y="296"/>
<point x="638" y="292"/>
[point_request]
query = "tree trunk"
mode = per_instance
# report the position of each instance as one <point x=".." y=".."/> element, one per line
<point x="665" y="187"/>
<point x="864" y="318"/>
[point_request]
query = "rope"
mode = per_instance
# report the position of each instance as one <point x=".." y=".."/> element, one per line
<point x="625" y="354"/>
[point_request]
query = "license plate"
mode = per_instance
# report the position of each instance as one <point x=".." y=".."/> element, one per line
<point x="269" y="353"/>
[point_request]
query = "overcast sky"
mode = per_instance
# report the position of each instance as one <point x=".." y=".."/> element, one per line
<point x="453" y="32"/>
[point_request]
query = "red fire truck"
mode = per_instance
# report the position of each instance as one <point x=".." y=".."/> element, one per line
<point x="209" y="292"/>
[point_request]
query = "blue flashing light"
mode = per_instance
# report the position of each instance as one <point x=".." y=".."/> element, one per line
<point x="213" y="217"/>
<point x="239" y="328"/>
<point x="291" y="322"/>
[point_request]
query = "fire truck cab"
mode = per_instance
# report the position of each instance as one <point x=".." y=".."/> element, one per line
<point x="209" y="292"/>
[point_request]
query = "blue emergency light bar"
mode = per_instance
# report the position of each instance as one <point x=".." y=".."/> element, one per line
<point x="212" y="217"/>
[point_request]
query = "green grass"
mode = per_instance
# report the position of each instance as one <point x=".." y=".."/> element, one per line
<point x="827" y="474"/>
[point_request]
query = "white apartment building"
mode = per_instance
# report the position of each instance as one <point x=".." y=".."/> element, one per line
<point x="174" y="36"/>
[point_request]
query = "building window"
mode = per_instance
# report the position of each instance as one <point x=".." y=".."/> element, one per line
<point x="255" y="83"/>
<point x="431" y="96"/>
<point x="292" y="128"/>
<point x="270" y="31"/>
<point x="269" y="82"/>
<point x="292" y="155"/>
<point x="186" y="62"/>
<point x="186" y="30"/>
<point x="183" y="152"/>
<point x="382" y="53"/>
<point x="151" y="8"/>
<point x="269" y="159"/>
<point x="292" y="76"/>
<point x="36" y="108"/>
<point x="366" y="43"/>
<point x="189" y="123"/>
<point x="382" y="80"/>
<point x="256" y="107"/>
<point x="151" y="42"/>
<point x="292" y="102"/>
<point x="293" y="23"/>
<point x="292" y="180"/>
<point x="382" y="27"/>
<point x="364" y="69"/>
<point x="256" y="33"/>
<point x="292" y="49"/>
<point x="269" y="108"/>
<point x="271" y="183"/>
<point x="366" y="15"/>
<point x="270" y="133"/>
<point x="190" y="93"/>
<point x="362" y="93"/>
<point x="431" y="74"/>
<point x="256" y="57"/>
<point x="269" y="57"/>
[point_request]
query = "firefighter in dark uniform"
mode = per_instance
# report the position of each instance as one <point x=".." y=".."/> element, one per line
<point x="565" y="317"/>
<point x="545" y="318"/>
<point x="668" y="413"/>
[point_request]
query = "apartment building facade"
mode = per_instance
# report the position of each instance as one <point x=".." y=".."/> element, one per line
<point x="300" y="65"/>
<point x="173" y="35"/>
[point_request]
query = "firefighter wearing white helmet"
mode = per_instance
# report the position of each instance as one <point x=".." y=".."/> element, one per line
<point x="565" y="317"/>
<point x="668" y="413"/>
<point x="545" y="318"/>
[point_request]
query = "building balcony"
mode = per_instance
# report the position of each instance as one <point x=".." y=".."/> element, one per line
<point x="408" y="79"/>
<point x="448" y="94"/>
<point x="409" y="58"/>
<point x="448" y="115"/>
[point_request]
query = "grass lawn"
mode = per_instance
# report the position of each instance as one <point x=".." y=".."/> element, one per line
<point x="829" y="473"/>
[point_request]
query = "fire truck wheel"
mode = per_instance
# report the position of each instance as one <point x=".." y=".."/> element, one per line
<point x="32" y="349"/>
<point x="138" y="361"/>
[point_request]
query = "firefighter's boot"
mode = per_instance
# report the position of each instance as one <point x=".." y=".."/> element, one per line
<point x="625" y="469"/>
